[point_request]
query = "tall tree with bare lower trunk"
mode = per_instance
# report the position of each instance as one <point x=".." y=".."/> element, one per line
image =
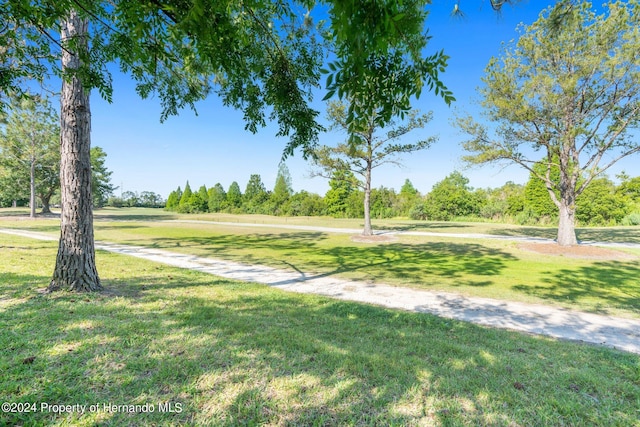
<point x="366" y="150"/>
<point x="569" y="94"/>
<point x="75" y="263"/>
<point x="253" y="55"/>
<point x="29" y="145"/>
<point x="257" y="55"/>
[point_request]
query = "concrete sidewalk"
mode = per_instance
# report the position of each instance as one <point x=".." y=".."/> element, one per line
<point x="560" y="323"/>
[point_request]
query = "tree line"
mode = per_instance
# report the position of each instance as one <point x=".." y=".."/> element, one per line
<point x="603" y="203"/>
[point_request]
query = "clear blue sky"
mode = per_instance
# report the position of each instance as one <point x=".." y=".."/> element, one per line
<point x="145" y="155"/>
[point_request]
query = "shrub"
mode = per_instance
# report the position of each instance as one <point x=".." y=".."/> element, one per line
<point x="631" y="219"/>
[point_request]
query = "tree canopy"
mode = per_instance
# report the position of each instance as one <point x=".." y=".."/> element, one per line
<point x="253" y="55"/>
<point x="567" y="96"/>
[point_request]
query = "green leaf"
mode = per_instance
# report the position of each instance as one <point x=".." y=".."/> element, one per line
<point x="329" y="95"/>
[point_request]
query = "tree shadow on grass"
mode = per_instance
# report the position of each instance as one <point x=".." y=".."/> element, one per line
<point x="221" y="244"/>
<point x="614" y="235"/>
<point x="233" y="353"/>
<point x="470" y="264"/>
<point x="615" y="283"/>
<point x="20" y="285"/>
<point x="422" y="264"/>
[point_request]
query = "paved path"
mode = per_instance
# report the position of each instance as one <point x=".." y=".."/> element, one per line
<point x="561" y="323"/>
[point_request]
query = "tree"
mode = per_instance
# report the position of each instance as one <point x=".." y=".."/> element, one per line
<point x="282" y="191"/>
<point x="255" y="195"/>
<point x="304" y="203"/>
<point x="450" y="198"/>
<point x="253" y="56"/>
<point x="217" y="198"/>
<point x="599" y="204"/>
<point x="48" y="180"/>
<point x="130" y="199"/>
<point x="341" y="185"/>
<point x="199" y="201"/>
<point x="173" y="201"/>
<point x="409" y="196"/>
<point x="101" y="187"/>
<point x="569" y="92"/>
<point x="149" y="199"/>
<point x="629" y="187"/>
<point x="506" y="201"/>
<point x="185" y="200"/>
<point x="234" y="196"/>
<point x="383" y="202"/>
<point x="366" y="150"/>
<point x="29" y="148"/>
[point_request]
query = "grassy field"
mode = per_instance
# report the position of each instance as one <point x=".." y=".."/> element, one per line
<point x="607" y="234"/>
<point x="227" y="353"/>
<point x="473" y="267"/>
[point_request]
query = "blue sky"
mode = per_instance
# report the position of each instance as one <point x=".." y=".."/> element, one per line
<point x="146" y="155"/>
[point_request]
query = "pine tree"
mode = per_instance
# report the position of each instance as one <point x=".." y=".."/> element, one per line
<point x="199" y="201"/>
<point x="101" y="187"/>
<point x="217" y="198"/>
<point x="255" y="195"/>
<point x="234" y="196"/>
<point x="342" y="184"/>
<point x="173" y="201"/>
<point x="282" y="191"/>
<point x="185" y="200"/>
<point x="408" y="198"/>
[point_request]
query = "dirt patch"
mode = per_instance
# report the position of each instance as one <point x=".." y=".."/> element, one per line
<point x="577" y="251"/>
<point x="376" y="238"/>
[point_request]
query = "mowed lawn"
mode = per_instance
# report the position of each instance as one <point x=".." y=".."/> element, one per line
<point x="473" y="267"/>
<point x="225" y="353"/>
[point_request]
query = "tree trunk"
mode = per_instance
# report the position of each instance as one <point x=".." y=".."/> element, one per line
<point x="75" y="264"/>
<point x="45" y="199"/>
<point x="567" y="225"/>
<point x="368" y="231"/>
<point x="32" y="185"/>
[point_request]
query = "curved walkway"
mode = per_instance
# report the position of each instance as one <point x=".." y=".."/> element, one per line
<point x="620" y="333"/>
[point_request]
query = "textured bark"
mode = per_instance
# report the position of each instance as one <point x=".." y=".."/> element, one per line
<point x="46" y="203"/>
<point x="75" y="264"/>
<point x="32" y="185"/>
<point x="368" y="230"/>
<point x="566" y="226"/>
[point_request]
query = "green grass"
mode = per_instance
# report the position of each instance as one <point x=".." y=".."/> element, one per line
<point x="232" y="353"/>
<point x="473" y="267"/>
<point x="487" y="268"/>
<point x="606" y="234"/>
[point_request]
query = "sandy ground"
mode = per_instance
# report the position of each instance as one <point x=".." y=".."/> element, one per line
<point x="560" y="323"/>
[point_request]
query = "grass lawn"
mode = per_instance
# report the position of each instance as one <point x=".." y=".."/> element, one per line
<point x="230" y="353"/>
<point x="473" y="267"/>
